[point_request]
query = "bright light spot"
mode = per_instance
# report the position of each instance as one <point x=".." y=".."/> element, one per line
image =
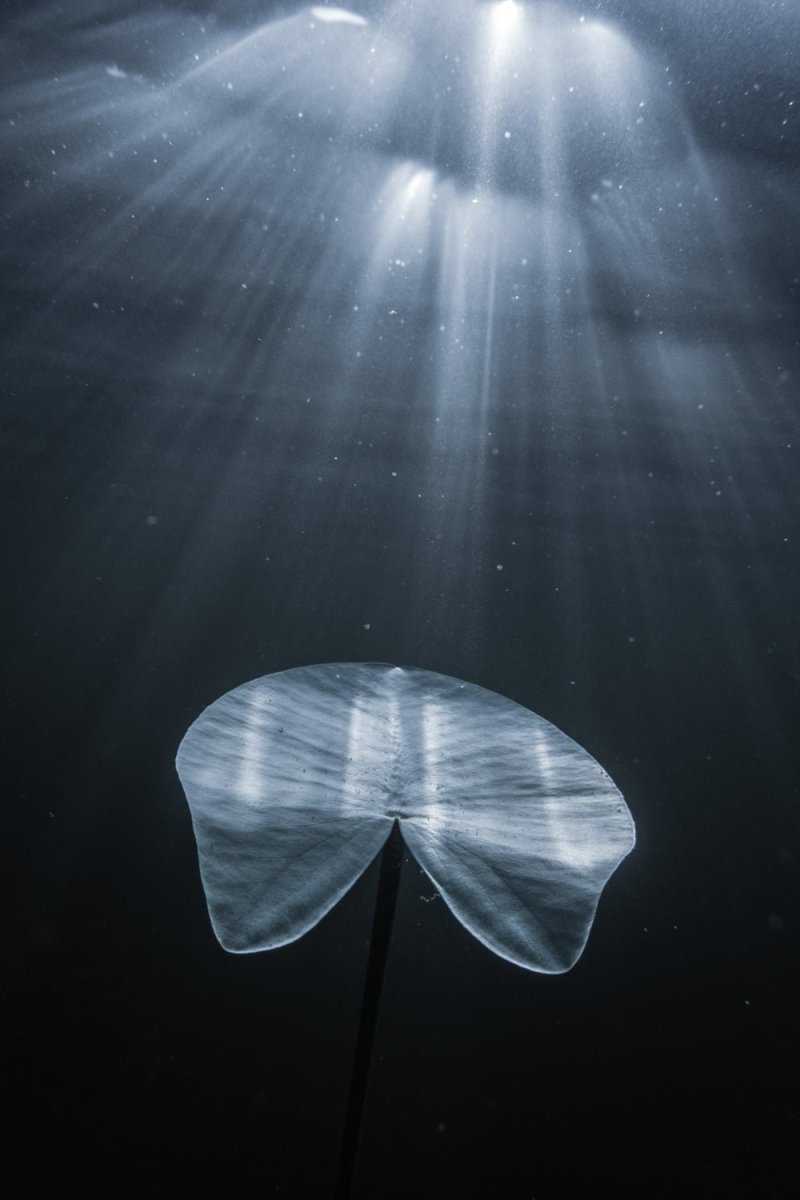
<point x="420" y="185"/>
<point x="506" y="15"/>
<point x="340" y="16"/>
<point x="503" y="18"/>
<point x="610" y="51"/>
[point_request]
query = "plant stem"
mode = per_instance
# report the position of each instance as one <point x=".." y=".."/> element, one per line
<point x="388" y="887"/>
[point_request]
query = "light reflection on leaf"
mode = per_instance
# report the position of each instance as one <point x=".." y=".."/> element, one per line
<point x="295" y="780"/>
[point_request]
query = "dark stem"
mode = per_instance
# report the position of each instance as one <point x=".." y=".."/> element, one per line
<point x="388" y="887"/>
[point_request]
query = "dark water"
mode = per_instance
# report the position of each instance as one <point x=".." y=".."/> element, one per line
<point x="379" y="383"/>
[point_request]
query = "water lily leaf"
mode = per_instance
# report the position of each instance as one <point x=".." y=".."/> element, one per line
<point x="295" y="780"/>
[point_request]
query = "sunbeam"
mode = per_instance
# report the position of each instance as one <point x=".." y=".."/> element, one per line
<point x="418" y="252"/>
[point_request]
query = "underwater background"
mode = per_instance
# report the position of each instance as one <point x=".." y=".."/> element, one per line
<point x="461" y="336"/>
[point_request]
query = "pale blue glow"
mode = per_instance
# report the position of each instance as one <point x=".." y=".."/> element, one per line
<point x="504" y="18"/>
<point x="333" y="16"/>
